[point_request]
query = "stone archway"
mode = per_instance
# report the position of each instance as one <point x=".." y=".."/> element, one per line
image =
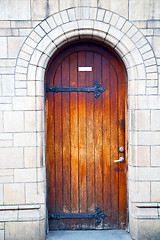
<point x="79" y="23"/>
<point x="86" y="22"/>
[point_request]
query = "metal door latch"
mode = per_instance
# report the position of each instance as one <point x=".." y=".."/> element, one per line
<point x="121" y="159"/>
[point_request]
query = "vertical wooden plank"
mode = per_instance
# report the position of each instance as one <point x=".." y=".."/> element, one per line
<point x="58" y="142"/>
<point x="66" y="142"/>
<point x="98" y="123"/>
<point x="121" y="135"/>
<point x="66" y="137"/>
<point x="90" y="140"/>
<point x="106" y="142"/>
<point x="82" y="140"/>
<point x="50" y="161"/>
<point x="57" y="188"/>
<point x="114" y="148"/>
<point x="74" y="135"/>
<point x="50" y="150"/>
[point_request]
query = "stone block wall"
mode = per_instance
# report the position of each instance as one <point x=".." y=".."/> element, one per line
<point x="22" y="172"/>
<point x="30" y="32"/>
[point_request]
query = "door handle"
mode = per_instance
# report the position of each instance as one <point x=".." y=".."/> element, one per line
<point x="121" y="159"/>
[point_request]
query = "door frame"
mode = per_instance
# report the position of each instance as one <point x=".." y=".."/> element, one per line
<point x="58" y="54"/>
<point x="76" y="23"/>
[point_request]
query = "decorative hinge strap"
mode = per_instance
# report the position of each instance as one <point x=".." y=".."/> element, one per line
<point x="97" y="89"/>
<point x="98" y="215"/>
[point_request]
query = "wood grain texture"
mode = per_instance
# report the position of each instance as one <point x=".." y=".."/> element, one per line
<point x="98" y="131"/>
<point x="82" y="140"/>
<point x="66" y="138"/>
<point x="106" y="142"/>
<point x="83" y="137"/>
<point x="114" y="147"/>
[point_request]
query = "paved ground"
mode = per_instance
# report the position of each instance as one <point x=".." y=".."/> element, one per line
<point x="89" y="235"/>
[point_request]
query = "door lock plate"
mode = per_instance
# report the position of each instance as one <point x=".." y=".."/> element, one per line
<point x="121" y="149"/>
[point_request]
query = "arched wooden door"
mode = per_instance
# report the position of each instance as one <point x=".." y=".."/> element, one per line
<point x="84" y="134"/>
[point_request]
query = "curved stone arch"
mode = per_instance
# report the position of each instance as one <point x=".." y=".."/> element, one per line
<point x="79" y="23"/>
<point x="92" y="23"/>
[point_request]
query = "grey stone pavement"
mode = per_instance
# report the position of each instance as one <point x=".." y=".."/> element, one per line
<point x="89" y="235"/>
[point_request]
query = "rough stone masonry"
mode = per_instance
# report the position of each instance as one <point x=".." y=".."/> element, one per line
<point x="30" y="32"/>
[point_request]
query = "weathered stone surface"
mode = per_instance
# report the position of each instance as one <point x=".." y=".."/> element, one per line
<point x="23" y="103"/>
<point x="13" y="121"/>
<point x="140" y="155"/>
<point x="137" y="87"/>
<point x="154" y="41"/>
<point x="3" y="44"/>
<point x="41" y="9"/>
<point x="22" y="230"/>
<point x="42" y="228"/>
<point x="139" y="191"/>
<point x="1" y="121"/>
<point x="30" y="157"/>
<point x="1" y="225"/>
<point x="145" y="138"/>
<point x="120" y="7"/>
<point x="28" y="215"/>
<point x="14" y="193"/>
<point x="155" y="153"/>
<point x="145" y="102"/>
<point x="155" y="191"/>
<point x="141" y="120"/>
<point x="4" y="24"/>
<point x="144" y="210"/>
<point x="73" y="3"/>
<point x="155" y="124"/>
<point x="25" y="175"/>
<point x="25" y="139"/>
<point x="15" y="10"/>
<point x="14" y="45"/>
<point x="30" y="121"/>
<point x="9" y="215"/>
<point x="11" y="157"/>
<point x="148" y="229"/>
<point x="1" y="234"/>
<point x="35" y="193"/>
<point x="6" y="179"/>
<point x="144" y="173"/>
<point x="1" y="194"/>
<point x="145" y="10"/>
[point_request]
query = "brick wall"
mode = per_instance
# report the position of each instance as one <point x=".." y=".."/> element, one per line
<point x="30" y="31"/>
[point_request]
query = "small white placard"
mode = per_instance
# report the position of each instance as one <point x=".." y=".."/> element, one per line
<point x="85" y="69"/>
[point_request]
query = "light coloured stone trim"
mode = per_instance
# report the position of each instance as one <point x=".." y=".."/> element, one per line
<point x="148" y="205"/>
<point x="19" y="207"/>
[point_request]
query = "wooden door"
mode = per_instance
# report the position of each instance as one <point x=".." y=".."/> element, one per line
<point x="83" y="136"/>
